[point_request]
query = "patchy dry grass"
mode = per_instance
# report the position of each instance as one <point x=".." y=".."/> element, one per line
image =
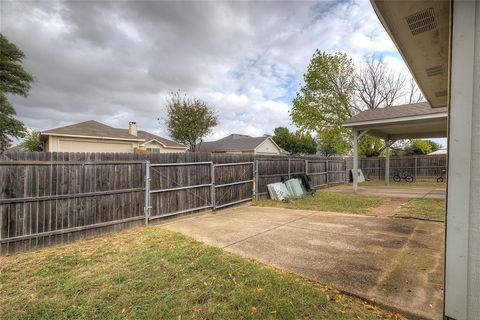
<point x="329" y="201"/>
<point x="430" y="209"/>
<point x="152" y="273"/>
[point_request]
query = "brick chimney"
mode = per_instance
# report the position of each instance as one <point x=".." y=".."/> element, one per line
<point x="132" y="128"/>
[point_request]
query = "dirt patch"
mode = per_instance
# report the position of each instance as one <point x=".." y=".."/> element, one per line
<point x="389" y="208"/>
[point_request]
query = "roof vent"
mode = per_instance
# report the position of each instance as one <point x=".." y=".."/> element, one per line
<point x="442" y="93"/>
<point x="434" y="71"/>
<point x="421" y="21"/>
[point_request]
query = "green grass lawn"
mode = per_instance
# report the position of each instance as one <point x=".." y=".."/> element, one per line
<point x="329" y="201"/>
<point x="431" y="209"/>
<point x="404" y="184"/>
<point x="152" y="273"/>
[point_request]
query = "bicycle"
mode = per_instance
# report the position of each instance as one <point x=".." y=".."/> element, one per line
<point x="399" y="176"/>
<point x="441" y="179"/>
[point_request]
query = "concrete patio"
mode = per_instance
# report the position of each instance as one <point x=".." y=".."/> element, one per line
<point x="396" y="263"/>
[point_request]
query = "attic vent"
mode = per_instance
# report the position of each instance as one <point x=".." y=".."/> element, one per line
<point x="421" y="21"/>
<point x="434" y="71"/>
<point x="439" y="94"/>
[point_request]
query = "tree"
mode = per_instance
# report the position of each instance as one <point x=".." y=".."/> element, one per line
<point x="189" y="120"/>
<point x="376" y="86"/>
<point x="32" y="141"/>
<point x="421" y="147"/>
<point x="333" y="142"/>
<point x="326" y="98"/>
<point x="14" y="80"/>
<point x="414" y="94"/>
<point x="333" y="92"/>
<point x="295" y="143"/>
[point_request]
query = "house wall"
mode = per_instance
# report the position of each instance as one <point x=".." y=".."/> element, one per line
<point x="64" y="144"/>
<point x="163" y="149"/>
<point x="267" y="147"/>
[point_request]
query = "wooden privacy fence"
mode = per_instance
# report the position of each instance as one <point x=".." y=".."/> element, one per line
<point x="322" y="171"/>
<point x="51" y="198"/>
<point x="420" y="167"/>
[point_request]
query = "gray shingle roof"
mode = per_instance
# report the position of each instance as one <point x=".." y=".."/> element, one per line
<point x="94" y="128"/>
<point x="149" y="136"/>
<point x="233" y="142"/>
<point x="401" y="111"/>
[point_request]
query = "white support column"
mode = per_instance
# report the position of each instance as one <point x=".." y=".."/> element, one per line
<point x="387" y="161"/>
<point x="462" y="269"/>
<point x="355" y="160"/>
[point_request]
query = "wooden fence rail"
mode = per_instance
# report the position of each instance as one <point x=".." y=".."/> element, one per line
<point x="52" y="198"/>
<point x="420" y="167"/>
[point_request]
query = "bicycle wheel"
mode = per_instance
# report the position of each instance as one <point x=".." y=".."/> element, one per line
<point x="440" y="179"/>
<point x="396" y="178"/>
<point x="409" y="178"/>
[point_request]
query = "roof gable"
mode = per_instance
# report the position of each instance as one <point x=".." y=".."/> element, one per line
<point x="165" y="142"/>
<point x="92" y="129"/>
<point x="233" y="142"/>
<point x="95" y="129"/>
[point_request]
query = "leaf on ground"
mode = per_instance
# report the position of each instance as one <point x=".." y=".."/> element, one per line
<point x="253" y="311"/>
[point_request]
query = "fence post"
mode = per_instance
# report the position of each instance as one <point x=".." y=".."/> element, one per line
<point x="415" y="168"/>
<point x="326" y="175"/>
<point x="256" y="179"/>
<point x="306" y="167"/>
<point x="288" y="168"/>
<point x="254" y="186"/>
<point x="147" y="192"/>
<point x="212" y="188"/>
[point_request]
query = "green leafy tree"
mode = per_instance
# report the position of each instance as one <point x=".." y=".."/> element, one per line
<point x="369" y="146"/>
<point x="325" y="101"/>
<point x="333" y="142"/>
<point x="284" y="139"/>
<point x="334" y="91"/>
<point x="421" y="147"/>
<point x="32" y="141"/>
<point x="14" y="80"/>
<point x="189" y="120"/>
<point x="295" y="143"/>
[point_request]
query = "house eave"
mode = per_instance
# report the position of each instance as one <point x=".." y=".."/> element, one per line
<point x="89" y="137"/>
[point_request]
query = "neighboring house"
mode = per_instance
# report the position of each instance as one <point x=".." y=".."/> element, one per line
<point x="93" y="136"/>
<point x="439" y="151"/>
<point x="241" y="144"/>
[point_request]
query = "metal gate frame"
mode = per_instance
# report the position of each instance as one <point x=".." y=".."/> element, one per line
<point x="232" y="183"/>
<point x="149" y="191"/>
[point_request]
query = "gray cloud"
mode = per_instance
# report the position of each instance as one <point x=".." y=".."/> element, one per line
<point x="118" y="61"/>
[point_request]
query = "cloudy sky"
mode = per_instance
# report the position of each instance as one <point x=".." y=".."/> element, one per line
<point x="117" y="61"/>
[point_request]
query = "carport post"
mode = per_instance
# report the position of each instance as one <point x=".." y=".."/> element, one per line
<point x="387" y="161"/>
<point x="355" y="160"/>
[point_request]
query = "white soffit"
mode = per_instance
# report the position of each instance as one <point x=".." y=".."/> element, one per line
<point x="421" y="30"/>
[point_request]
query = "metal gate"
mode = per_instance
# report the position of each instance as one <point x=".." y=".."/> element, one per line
<point x="244" y="176"/>
<point x="212" y="189"/>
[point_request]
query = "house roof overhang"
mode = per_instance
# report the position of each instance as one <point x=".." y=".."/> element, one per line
<point x="420" y="30"/>
<point x="405" y="128"/>
<point x="382" y="123"/>
<point x="47" y="134"/>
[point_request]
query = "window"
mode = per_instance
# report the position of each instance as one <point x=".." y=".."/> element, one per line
<point x="154" y="150"/>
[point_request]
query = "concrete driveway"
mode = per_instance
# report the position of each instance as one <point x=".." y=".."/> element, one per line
<point x="397" y="263"/>
<point x="394" y="192"/>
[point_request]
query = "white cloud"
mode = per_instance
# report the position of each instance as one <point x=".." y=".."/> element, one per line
<point x="118" y="61"/>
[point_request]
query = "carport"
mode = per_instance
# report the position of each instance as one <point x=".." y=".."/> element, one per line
<point x="411" y="121"/>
